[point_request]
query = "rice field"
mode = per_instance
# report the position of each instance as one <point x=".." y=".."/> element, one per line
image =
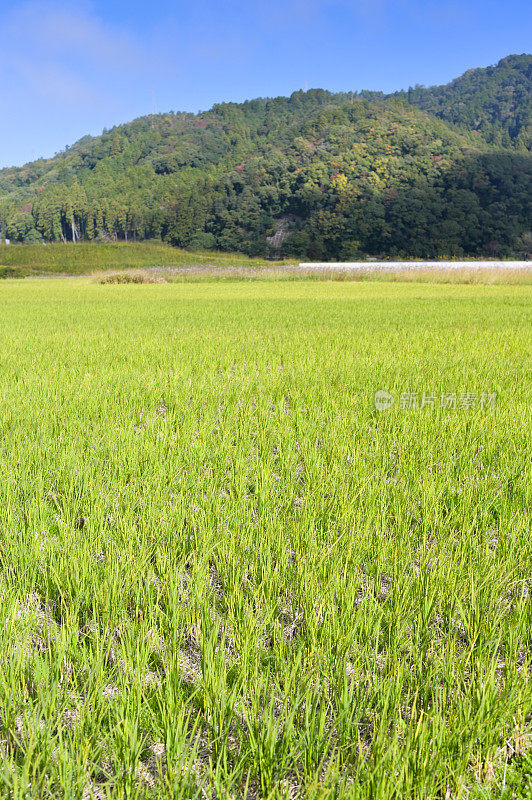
<point x="265" y="540"/>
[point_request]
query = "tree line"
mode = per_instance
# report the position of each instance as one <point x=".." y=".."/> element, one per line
<point x="315" y="175"/>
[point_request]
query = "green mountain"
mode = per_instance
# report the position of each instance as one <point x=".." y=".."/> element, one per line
<point x="495" y="103"/>
<point x="428" y="172"/>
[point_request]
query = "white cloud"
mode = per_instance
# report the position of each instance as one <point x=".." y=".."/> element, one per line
<point x="53" y="83"/>
<point x="65" y="53"/>
<point x="64" y="30"/>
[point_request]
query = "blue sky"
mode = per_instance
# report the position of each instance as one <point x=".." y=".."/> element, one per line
<point x="67" y="69"/>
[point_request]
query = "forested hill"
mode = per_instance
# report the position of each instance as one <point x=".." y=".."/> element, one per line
<point x="495" y="103"/>
<point x="428" y="172"/>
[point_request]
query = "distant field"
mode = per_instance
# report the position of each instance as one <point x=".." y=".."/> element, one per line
<point x="86" y="257"/>
<point x="291" y="272"/>
<point x="173" y="264"/>
<point x="443" y="264"/>
<point x="225" y="573"/>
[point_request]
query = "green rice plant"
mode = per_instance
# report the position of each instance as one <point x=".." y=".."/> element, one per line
<point x="225" y="572"/>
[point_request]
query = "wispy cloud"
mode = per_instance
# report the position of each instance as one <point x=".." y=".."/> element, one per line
<point x="64" y="29"/>
<point x="52" y="82"/>
<point x="65" y="53"/>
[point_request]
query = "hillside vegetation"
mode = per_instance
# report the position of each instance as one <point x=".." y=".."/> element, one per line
<point x="428" y="172"/>
<point x="496" y="102"/>
<point x="28" y="260"/>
